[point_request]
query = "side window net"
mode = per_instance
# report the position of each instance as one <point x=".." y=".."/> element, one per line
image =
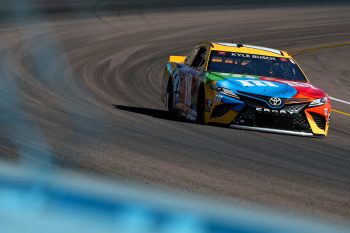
<point x="191" y="56"/>
<point x="200" y="58"/>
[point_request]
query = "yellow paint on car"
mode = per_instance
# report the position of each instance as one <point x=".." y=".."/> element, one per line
<point x="177" y="59"/>
<point x="244" y="49"/>
<point x="315" y="129"/>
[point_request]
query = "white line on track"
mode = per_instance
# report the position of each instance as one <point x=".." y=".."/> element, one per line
<point x="338" y="100"/>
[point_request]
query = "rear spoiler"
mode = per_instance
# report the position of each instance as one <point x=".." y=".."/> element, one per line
<point x="177" y="59"/>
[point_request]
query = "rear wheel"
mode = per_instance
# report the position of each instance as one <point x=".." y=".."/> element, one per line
<point x="200" y="105"/>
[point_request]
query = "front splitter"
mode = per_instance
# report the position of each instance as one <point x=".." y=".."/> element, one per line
<point x="279" y="131"/>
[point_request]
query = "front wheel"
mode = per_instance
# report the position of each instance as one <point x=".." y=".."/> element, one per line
<point x="200" y="105"/>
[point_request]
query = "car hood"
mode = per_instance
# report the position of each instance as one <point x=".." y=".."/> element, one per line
<point x="260" y="85"/>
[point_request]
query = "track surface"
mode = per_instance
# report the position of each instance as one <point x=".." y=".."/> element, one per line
<point x="84" y="93"/>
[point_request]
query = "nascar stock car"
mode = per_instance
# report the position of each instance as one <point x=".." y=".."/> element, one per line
<point x="246" y="87"/>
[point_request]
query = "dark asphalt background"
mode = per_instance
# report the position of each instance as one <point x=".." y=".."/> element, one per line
<point x="80" y="89"/>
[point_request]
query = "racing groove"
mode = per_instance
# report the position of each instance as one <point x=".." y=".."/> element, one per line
<point x="84" y="93"/>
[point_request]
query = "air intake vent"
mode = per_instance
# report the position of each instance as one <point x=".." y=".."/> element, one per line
<point x="320" y="120"/>
<point x="221" y="110"/>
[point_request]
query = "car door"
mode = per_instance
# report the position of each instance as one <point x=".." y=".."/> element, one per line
<point x="186" y="83"/>
<point x="195" y="77"/>
<point x="181" y="85"/>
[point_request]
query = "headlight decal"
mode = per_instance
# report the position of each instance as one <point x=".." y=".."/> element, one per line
<point x="224" y="91"/>
<point x="318" y="102"/>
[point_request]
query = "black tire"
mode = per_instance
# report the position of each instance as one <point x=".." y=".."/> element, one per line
<point x="200" y="105"/>
<point x="170" y="100"/>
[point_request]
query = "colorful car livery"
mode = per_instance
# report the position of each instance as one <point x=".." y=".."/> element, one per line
<point x="246" y="87"/>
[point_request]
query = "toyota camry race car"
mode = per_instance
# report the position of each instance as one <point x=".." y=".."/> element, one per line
<point x="247" y="87"/>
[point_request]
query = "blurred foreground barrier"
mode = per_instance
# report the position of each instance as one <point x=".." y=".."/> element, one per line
<point x="43" y="203"/>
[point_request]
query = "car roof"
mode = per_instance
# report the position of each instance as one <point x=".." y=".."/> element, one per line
<point x="250" y="49"/>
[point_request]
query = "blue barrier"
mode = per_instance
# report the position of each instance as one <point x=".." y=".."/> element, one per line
<point x="31" y="202"/>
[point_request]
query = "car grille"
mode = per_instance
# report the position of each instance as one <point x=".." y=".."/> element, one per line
<point x="294" y="107"/>
<point x="299" y="121"/>
<point x="320" y="120"/>
<point x="221" y="110"/>
<point x="293" y="119"/>
<point x="289" y="116"/>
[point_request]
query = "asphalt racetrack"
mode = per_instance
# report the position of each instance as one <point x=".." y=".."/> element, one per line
<point x="81" y="90"/>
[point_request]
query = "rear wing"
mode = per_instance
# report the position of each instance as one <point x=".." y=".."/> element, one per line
<point x="177" y="59"/>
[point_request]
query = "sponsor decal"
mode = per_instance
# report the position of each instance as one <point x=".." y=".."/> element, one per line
<point x="245" y="55"/>
<point x="218" y="98"/>
<point x="259" y="83"/>
<point x="275" y="111"/>
<point x="275" y="101"/>
<point x="264" y="57"/>
<point x="264" y="83"/>
<point x="216" y="59"/>
<point x="229" y="61"/>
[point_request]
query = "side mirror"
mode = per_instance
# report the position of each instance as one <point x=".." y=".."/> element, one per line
<point x="177" y="59"/>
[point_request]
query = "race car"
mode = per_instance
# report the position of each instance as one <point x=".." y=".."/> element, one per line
<point x="246" y="87"/>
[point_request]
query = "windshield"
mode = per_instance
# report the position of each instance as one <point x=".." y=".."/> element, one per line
<point x="251" y="64"/>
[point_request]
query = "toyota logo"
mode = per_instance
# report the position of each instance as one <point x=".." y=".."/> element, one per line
<point x="275" y="101"/>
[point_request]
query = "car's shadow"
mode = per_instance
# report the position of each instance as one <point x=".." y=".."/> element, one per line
<point x="166" y="115"/>
<point x="160" y="114"/>
<point x="156" y="113"/>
